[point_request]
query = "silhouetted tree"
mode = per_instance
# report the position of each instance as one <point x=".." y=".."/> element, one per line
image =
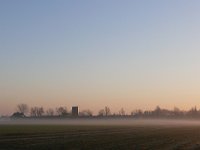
<point x="147" y="113"/>
<point x="177" y="112"/>
<point x="101" y="112"/>
<point x="33" y="111"/>
<point x="157" y="111"/>
<point x="122" y="112"/>
<point x="50" y="112"/>
<point x="61" y="111"/>
<point x="107" y="111"/>
<point x="137" y="113"/>
<point x="193" y="112"/>
<point x="22" y="108"/>
<point x="37" y="111"/>
<point x="40" y="111"/>
<point x="86" y="113"/>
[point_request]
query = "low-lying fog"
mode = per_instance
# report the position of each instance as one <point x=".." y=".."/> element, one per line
<point x="119" y="122"/>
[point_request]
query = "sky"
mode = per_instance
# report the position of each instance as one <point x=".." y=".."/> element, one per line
<point x="131" y="54"/>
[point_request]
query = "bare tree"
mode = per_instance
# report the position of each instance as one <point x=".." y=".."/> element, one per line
<point x="22" y="108"/>
<point x="86" y="113"/>
<point x="101" y="112"/>
<point x="104" y="112"/>
<point x="50" y="112"/>
<point x="61" y="111"/>
<point x="40" y="111"/>
<point x="177" y="111"/>
<point x="193" y="112"/>
<point x="137" y="112"/>
<point x="107" y="111"/>
<point x="37" y="111"/>
<point x="122" y="112"/>
<point x="157" y="111"/>
<point x="33" y="112"/>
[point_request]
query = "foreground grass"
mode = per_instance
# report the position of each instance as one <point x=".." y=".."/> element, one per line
<point x="52" y="137"/>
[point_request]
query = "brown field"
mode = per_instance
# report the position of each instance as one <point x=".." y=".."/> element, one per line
<point x="75" y="137"/>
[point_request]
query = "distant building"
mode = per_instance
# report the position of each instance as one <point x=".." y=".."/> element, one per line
<point x="75" y="111"/>
<point x="18" y="115"/>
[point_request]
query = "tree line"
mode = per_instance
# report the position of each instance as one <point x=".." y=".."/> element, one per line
<point x="26" y="111"/>
<point x="23" y="110"/>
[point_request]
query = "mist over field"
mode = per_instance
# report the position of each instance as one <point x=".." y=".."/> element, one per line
<point x="102" y="122"/>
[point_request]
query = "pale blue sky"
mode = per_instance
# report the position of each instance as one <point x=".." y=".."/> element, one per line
<point x="131" y="54"/>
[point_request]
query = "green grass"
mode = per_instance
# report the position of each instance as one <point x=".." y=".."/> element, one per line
<point x="51" y="137"/>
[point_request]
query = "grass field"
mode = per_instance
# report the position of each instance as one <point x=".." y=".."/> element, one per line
<point x="52" y="137"/>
